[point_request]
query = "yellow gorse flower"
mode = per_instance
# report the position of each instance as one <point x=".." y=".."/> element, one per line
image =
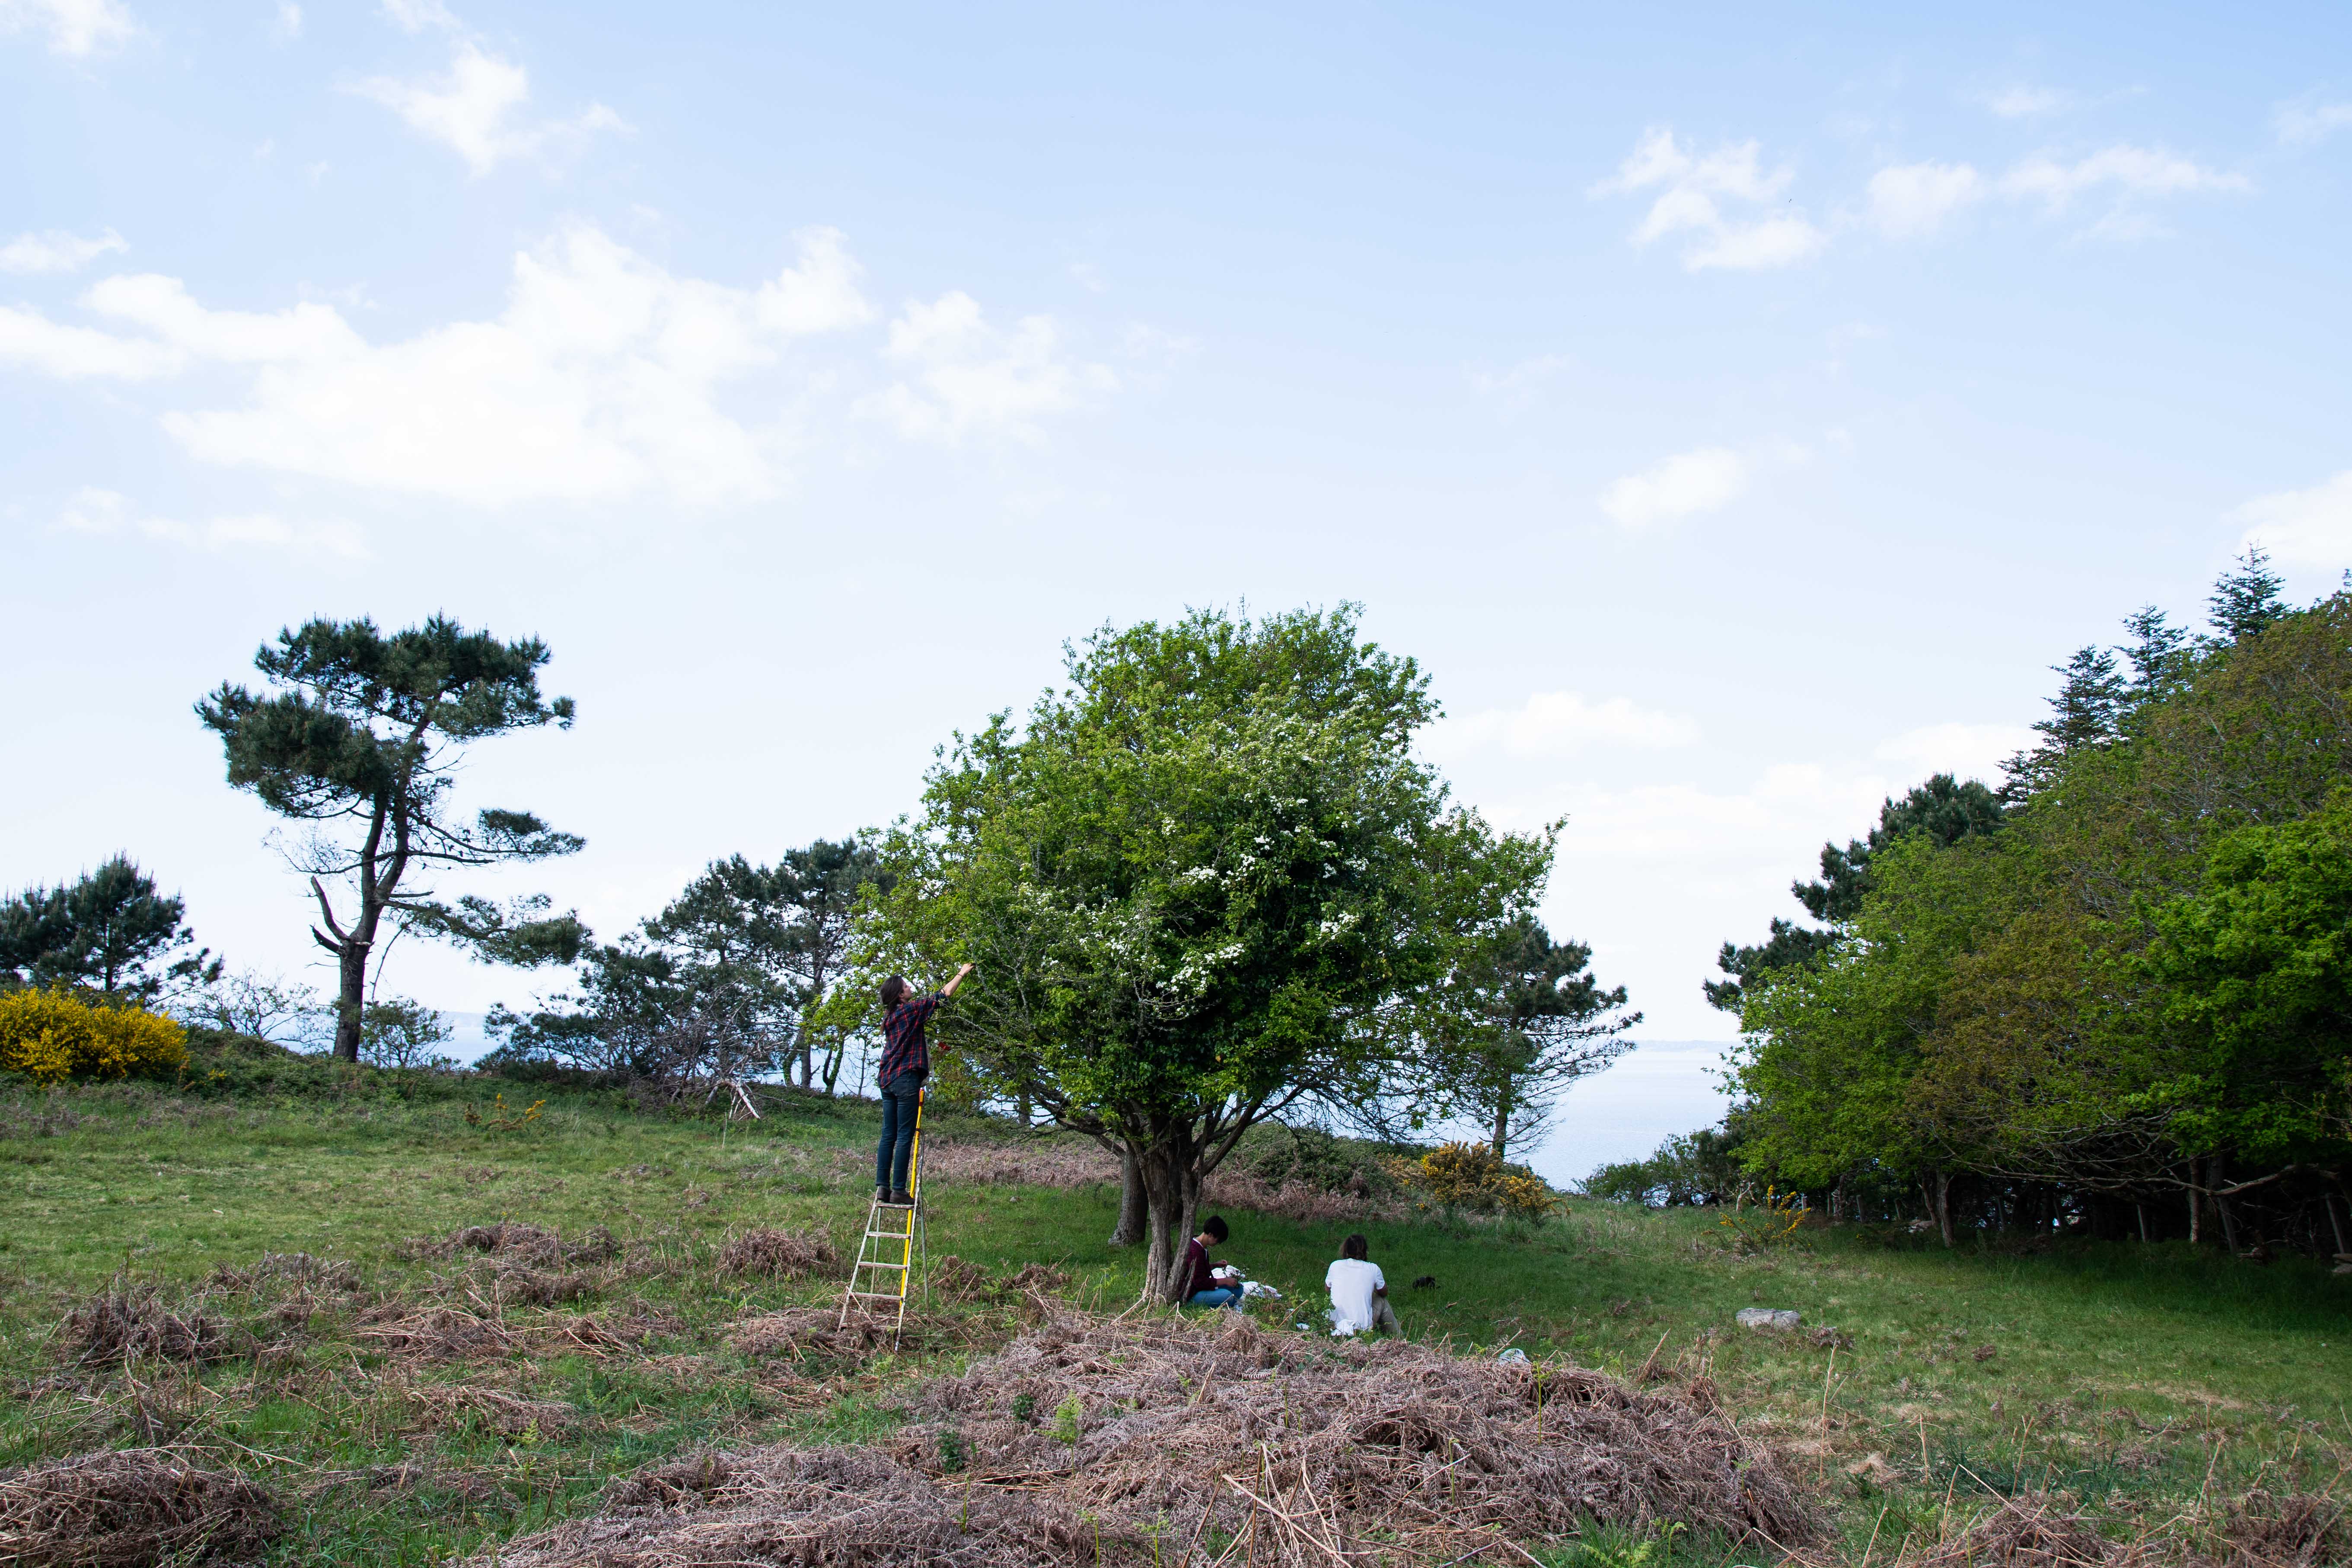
<point x="52" y="1037"/>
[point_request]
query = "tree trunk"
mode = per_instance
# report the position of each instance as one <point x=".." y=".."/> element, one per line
<point x="1944" y="1207"/>
<point x="350" y="999"/>
<point x="1129" y="1229"/>
<point x="2336" y="1223"/>
<point x="1163" y="1207"/>
<point x="2141" y="1210"/>
<point x="2196" y="1207"/>
<point x="2217" y="1171"/>
<point x="1502" y="1117"/>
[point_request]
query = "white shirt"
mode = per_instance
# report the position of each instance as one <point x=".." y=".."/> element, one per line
<point x="1351" y="1282"/>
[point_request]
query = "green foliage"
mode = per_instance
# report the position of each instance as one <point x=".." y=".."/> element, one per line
<point x="362" y="739"/>
<point x="1943" y="810"/>
<point x="2258" y="971"/>
<point x="402" y="1033"/>
<point x="110" y="930"/>
<point x="750" y="951"/>
<point x="1690" y="1168"/>
<point x="2141" y="980"/>
<point x="1068" y="1421"/>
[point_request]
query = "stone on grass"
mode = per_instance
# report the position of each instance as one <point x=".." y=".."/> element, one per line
<point x="1768" y="1317"/>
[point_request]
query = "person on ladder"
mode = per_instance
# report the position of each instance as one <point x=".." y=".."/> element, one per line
<point x="906" y="1063"/>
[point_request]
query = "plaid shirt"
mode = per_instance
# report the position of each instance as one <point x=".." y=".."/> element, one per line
<point x="903" y="1051"/>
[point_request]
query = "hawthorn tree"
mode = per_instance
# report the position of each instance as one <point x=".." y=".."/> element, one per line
<point x="1205" y="882"/>
<point x="362" y="740"/>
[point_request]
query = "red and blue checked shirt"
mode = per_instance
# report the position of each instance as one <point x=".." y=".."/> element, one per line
<point x="903" y="1051"/>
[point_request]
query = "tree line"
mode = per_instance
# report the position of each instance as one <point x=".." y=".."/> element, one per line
<point x="2113" y="995"/>
<point x="1207" y="882"/>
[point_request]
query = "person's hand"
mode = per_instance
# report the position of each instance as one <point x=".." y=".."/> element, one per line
<point x="964" y="971"/>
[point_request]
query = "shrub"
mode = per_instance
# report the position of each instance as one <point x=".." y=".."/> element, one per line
<point x="53" y="1035"/>
<point x="1472" y="1176"/>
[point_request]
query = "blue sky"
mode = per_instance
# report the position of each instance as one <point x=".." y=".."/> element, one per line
<point x="1735" y="412"/>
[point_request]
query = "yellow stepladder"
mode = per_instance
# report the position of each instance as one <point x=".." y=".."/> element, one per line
<point x="889" y="1226"/>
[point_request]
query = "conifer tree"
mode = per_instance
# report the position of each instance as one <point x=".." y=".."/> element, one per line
<point x="364" y="735"/>
<point x="110" y="930"/>
<point x="2247" y="599"/>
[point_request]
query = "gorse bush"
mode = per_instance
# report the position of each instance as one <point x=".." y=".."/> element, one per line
<point x="52" y="1037"/>
<point x="1472" y="1176"/>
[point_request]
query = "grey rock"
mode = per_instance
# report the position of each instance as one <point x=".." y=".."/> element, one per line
<point x="1768" y="1317"/>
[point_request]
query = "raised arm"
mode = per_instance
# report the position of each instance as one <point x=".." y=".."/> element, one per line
<point x="950" y="988"/>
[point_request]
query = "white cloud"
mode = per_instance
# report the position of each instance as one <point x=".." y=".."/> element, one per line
<point x="2123" y="168"/>
<point x="604" y="377"/>
<point x="55" y="251"/>
<point x="470" y="108"/>
<point x="1556" y="724"/>
<point x="600" y="379"/>
<point x="2023" y="102"/>
<point x="819" y="295"/>
<point x="29" y="339"/>
<point x="2306" y="528"/>
<point x="1691" y="190"/>
<point x="74" y="27"/>
<point x="966" y="377"/>
<point x="2305" y="123"/>
<point x="1964" y="750"/>
<point x="1908" y="200"/>
<point x="1521" y="379"/>
<point x="1779" y="821"/>
<point x="105" y="513"/>
<point x="1089" y="276"/>
<point x="161" y="305"/>
<point x="1768" y="242"/>
<point x="416" y="16"/>
<point x="289" y="20"/>
<point x="1681" y="486"/>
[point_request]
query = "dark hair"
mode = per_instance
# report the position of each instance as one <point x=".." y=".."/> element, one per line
<point x="1213" y="1227"/>
<point x="894" y="991"/>
<point x="1355" y="1247"/>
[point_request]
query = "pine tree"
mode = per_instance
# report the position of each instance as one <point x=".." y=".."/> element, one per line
<point x="2087" y="711"/>
<point x="2247" y="599"/>
<point x="111" y="929"/>
<point x="2158" y="656"/>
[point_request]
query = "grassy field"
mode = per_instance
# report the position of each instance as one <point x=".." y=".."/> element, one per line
<point x="2133" y="1377"/>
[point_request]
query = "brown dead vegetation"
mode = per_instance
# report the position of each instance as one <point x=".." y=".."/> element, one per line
<point x="129" y="1322"/>
<point x="1171" y="1439"/>
<point x="2259" y="1530"/>
<point x="132" y="1508"/>
<point x="777" y="1255"/>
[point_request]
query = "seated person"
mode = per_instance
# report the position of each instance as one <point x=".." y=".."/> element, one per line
<point x="1359" y="1293"/>
<point x="1201" y="1288"/>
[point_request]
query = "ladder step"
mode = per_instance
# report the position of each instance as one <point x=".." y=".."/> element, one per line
<point x="877" y="1294"/>
<point x="895" y="1268"/>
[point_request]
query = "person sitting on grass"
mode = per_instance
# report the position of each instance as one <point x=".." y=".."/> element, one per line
<point x="1200" y="1289"/>
<point x="1360" y="1292"/>
<point x="906" y="1063"/>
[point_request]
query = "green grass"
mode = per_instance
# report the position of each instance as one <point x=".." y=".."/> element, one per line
<point x="2115" y="1371"/>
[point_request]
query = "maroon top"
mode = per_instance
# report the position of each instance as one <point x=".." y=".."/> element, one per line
<point x="1196" y="1264"/>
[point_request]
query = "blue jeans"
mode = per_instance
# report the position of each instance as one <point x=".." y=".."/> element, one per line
<point x="900" y="1097"/>
<point x="1220" y="1298"/>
